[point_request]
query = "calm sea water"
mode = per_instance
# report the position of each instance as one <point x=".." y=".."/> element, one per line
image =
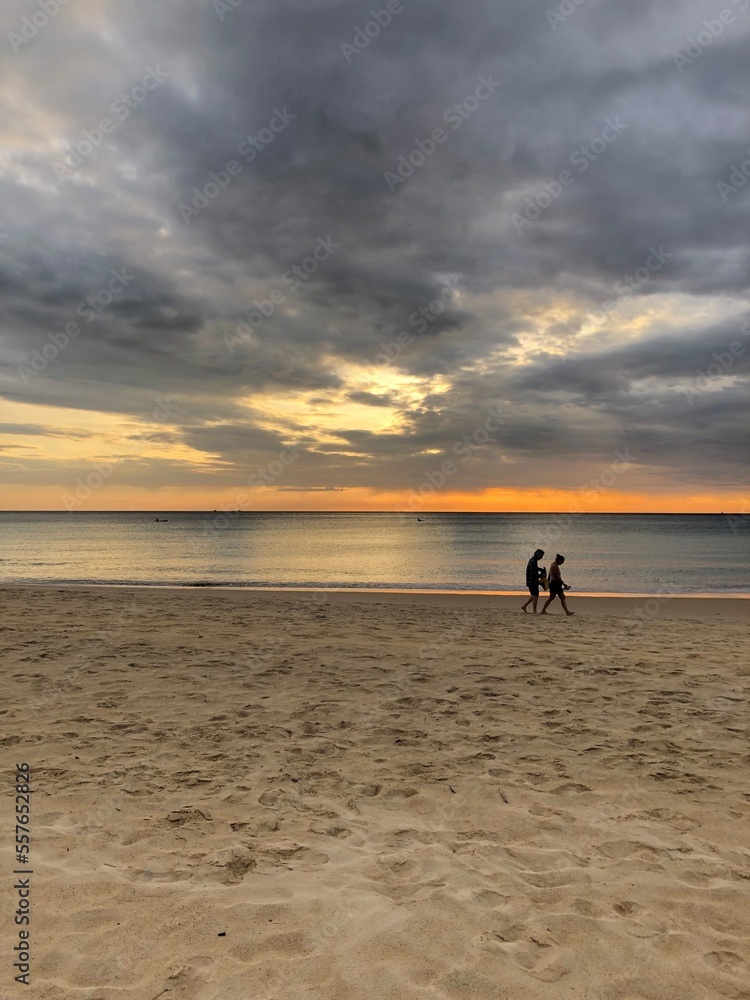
<point x="605" y="553"/>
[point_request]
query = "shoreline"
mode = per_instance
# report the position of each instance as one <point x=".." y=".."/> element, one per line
<point x="638" y="606"/>
<point x="331" y="589"/>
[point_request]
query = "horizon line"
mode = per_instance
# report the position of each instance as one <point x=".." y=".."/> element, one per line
<point x="415" y="513"/>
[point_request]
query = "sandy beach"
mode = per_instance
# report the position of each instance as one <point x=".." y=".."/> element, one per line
<point x="291" y="796"/>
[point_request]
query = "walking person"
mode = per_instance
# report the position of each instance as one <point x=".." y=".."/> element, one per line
<point x="557" y="586"/>
<point x="532" y="580"/>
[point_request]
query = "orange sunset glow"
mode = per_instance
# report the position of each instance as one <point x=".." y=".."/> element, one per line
<point x="237" y="281"/>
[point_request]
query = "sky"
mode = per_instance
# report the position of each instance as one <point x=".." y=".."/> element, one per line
<point x="314" y="254"/>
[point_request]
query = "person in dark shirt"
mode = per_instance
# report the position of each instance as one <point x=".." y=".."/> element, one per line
<point x="532" y="579"/>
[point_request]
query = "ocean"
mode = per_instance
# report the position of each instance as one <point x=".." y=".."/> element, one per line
<point x="605" y="553"/>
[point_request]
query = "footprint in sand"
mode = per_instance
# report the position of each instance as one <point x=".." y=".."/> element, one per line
<point x="239" y="864"/>
<point x="552" y="879"/>
<point x="672" y="818"/>
<point x="331" y="831"/>
<point x="535" y="951"/>
<point x="618" y="850"/>
<point x="189" y="983"/>
<point x="490" y="900"/>
<point x="369" y="791"/>
<point x="271" y="797"/>
<point x="145" y="875"/>
<point x="587" y="908"/>
<point x="568" y="788"/>
<point x="402" y="793"/>
<point x="727" y="961"/>
<point x="179" y="817"/>
<point x="626" y="908"/>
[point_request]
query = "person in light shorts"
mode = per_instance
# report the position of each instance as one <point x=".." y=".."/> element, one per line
<point x="557" y="586"/>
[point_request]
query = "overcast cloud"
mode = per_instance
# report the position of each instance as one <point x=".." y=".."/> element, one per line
<point x="584" y="213"/>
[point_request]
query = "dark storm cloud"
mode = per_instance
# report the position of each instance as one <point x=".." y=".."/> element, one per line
<point x="313" y="127"/>
<point x="684" y="359"/>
